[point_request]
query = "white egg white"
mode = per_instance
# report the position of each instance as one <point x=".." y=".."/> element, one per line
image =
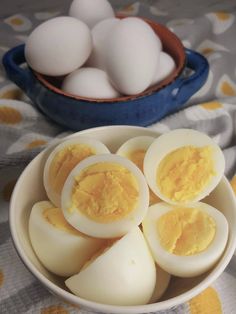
<point x="124" y="274"/>
<point x="94" y="144"/>
<point x="115" y="228"/>
<point x="162" y="283"/>
<point x="169" y="142"/>
<point x="61" y="252"/>
<point x="135" y="143"/>
<point x="192" y="265"/>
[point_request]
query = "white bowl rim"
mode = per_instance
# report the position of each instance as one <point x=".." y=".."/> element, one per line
<point x="105" y="308"/>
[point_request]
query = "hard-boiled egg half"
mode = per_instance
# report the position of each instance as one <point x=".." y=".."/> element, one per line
<point x="105" y="196"/>
<point x="135" y="149"/>
<point x="162" y="283"/>
<point x="63" y="159"/>
<point x="62" y="249"/>
<point x="183" y="166"/>
<point x="185" y="241"/>
<point x="124" y="274"/>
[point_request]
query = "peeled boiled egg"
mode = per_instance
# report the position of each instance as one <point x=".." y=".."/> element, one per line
<point x="62" y="249"/>
<point x="105" y="196"/>
<point x="124" y="274"/>
<point x="135" y="149"/>
<point x="58" y="46"/>
<point x="183" y="166"/>
<point x="91" y="11"/>
<point x="91" y="83"/>
<point x="100" y="33"/>
<point x="133" y="51"/>
<point x="166" y="66"/>
<point x="185" y="241"/>
<point x="63" y="159"/>
<point x="162" y="283"/>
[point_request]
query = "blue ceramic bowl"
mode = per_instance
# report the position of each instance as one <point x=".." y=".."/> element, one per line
<point x="80" y="113"/>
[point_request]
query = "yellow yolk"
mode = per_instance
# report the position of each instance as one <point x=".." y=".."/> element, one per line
<point x="137" y="157"/>
<point x="55" y="217"/>
<point x="64" y="162"/>
<point x="105" y="192"/>
<point x="186" y="231"/>
<point x="185" y="172"/>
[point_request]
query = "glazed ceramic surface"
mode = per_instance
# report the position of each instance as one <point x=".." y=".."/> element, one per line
<point x="32" y="180"/>
<point x="79" y="113"/>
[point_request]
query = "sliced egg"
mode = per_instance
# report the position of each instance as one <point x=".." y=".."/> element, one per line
<point x="183" y="166"/>
<point x="185" y="241"/>
<point x="105" y="196"/>
<point x="63" y="159"/>
<point x="124" y="274"/>
<point x="62" y="249"/>
<point x="162" y="283"/>
<point x="135" y="149"/>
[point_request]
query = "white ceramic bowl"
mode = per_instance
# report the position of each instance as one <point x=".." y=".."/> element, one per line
<point x="29" y="189"/>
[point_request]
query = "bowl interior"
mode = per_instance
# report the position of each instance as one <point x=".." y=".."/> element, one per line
<point x="29" y="189"/>
<point x="171" y="45"/>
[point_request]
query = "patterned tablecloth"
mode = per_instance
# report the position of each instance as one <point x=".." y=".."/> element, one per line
<point x="207" y="26"/>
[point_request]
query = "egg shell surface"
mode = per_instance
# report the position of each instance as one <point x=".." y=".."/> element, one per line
<point x="67" y="163"/>
<point x="124" y="274"/>
<point x="91" y="11"/>
<point x="61" y="252"/>
<point x="115" y="227"/>
<point x="58" y="46"/>
<point x="100" y="33"/>
<point x="165" y="67"/>
<point x="89" y="82"/>
<point x="132" y="55"/>
<point x="168" y="143"/>
<point x="191" y="265"/>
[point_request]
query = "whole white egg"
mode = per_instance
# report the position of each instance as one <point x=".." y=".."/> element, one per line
<point x="183" y="166"/>
<point x="189" y="241"/>
<point x="62" y="249"/>
<point x="91" y="11"/>
<point x="63" y="158"/>
<point x="90" y="83"/>
<point x="133" y="51"/>
<point x="165" y="67"/>
<point x="105" y="196"/>
<point x="100" y="33"/>
<point x="124" y="274"/>
<point x="58" y="46"/>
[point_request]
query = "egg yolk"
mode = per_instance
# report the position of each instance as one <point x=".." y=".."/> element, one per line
<point x="185" y="172"/>
<point x="186" y="231"/>
<point x="64" y="161"/>
<point x="105" y="192"/>
<point x="55" y="217"/>
<point x="137" y="157"/>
